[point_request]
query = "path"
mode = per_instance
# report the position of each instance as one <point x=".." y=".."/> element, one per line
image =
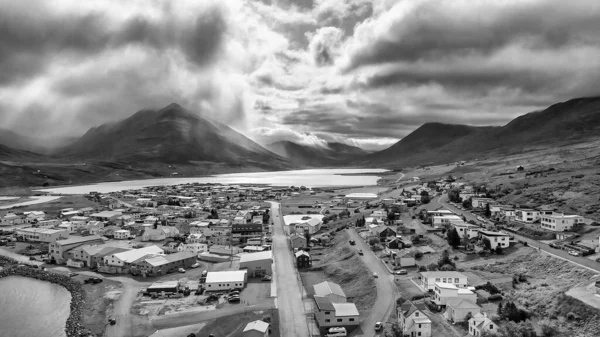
<point x="386" y="289"/>
<point x="292" y="318"/>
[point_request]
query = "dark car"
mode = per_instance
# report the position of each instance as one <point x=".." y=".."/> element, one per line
<point x="352" y="242"/>
<point x="234" y="299"/>
<point x="360" y="252"/>
<point x="93" y="280"/>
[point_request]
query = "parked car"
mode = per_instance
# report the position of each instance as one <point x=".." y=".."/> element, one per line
<point x="401" y="272"/>
<point x="598" y="259"/>
<point x="554" y="245"/>
<point x="267" y="278"/>
<point x="360" y="252"/>
<point x="112" y="321"/>
<point x="196" y="265"/>
<point x="93" y="280"/>
<point x="574" y="252"/>
<point x="352" y="242"/>
<point x="181" y="270"/>
<point x="73" y="274"/>
<point x="375" y="275"/>
<point x="378" y="326"/>
<point x="234" y="299"/>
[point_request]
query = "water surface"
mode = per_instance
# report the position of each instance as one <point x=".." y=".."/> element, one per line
<point x="30" y="307"/>
<point x="308" y="178"/>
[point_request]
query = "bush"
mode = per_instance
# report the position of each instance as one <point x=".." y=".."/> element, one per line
<point x="422" y="268"/>
<point x="418" y="297"/>
<point x="495" y="297"/>
<point x="418" y="254"/>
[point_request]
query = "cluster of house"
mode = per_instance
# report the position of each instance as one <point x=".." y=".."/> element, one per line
<point x="450" y="293"/>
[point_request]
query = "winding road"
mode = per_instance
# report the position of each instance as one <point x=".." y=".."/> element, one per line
<point x="387" y="291"/>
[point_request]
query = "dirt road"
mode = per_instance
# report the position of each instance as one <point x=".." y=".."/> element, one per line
<point x="122" y="309"/>
<point x="386" y="290"/>
<point x="292" y="318"/>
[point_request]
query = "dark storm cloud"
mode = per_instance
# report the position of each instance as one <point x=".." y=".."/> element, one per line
<point x="434" y="29"/>
<point x="30" y="38"/>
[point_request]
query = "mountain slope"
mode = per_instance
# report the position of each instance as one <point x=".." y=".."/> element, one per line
<point x="434" y="143"/>
<point x="333" y="154"/>
<point x="10" y="154"/>
<point x="170" y="135"/>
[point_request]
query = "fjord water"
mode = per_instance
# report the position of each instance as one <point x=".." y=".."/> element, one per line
<point x="309" y="178"/>
<point x="31" y="307"/>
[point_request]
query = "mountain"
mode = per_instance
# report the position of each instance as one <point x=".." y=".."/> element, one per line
<point x="10" y="154"/>
<point x="172" y="135"/>
<point x="331" y="154"/>
<point x="18" y="141"/>
<point x="435" y="143"/>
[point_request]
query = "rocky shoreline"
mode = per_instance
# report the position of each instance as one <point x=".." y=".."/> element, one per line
<point x="73" y="326"/>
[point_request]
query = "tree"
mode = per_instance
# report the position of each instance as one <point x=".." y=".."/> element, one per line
<point x="432" y="267"/>
<point x="467" y="203"/>
<point x="415" y="239"/>
<point x="418" y="254"/>
<point x="445" y="260"/>
<point x="465" y="240"/>
<point x="307" y="236"/>
<point x="487" y="243"/>
<point x="453" y="238"/>
<point x="488" y="212"/>
<point x="373" y="241"/>
<point x="425" y="199"/>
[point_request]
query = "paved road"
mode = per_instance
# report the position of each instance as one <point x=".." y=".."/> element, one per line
<point x="386" y="289"/>
<point x="292" y="318"/>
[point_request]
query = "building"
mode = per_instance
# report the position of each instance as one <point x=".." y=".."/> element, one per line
<point x="242" y="232"/>
<point x="559" y="222"/>
<point x="256" y="329"/>
<point x="195" y="248"/>
<point x="330" y="315"/>
<point x="257" y="264"/>
<point x="225" y="280"/>
<point x="162" y="264"/>
<point x="457" y="309"/>
<point x="471" y="231"/>
<point x="154" y="234"/>
<point x="527" y="215"/>
<point x="331" y="291"/>
<point x="123" y="259"/>
<point x="497" y="239"/>
<point x="302" y="259"/>
<point x="428" y="279"/>
<point x="11" y="219"/>
<point x="442" y="292"/>
<point x="480" y="323"/>
<point x="412" y="320"/>
<point x="481" y="202"/>
<point x="93" y="256"/>
<point x="43" y="234"/>
<point x="121" y="234"/>
<point x="106" y="216"/>
<point x="58" y="249"/>
<point x="446" y="220"/>
<point x="307" y="224"/>
<point x="298" y="241"/>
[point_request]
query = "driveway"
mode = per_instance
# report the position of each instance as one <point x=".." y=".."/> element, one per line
<point x="386" y="290"/>
<point x="292" y="317"/>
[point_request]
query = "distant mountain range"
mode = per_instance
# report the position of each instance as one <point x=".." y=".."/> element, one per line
<point x="174" y="135"/>
<point x="329" y="154"/>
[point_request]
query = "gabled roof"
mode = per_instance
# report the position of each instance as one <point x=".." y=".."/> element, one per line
<point x="461" y="303"/>
<point x="326" y="288"/>
<point x="257" y="326"/>
<point x="323" y="303"/>
<point x="79" y="239"/>
<point x="250" y="257"/>
<point x="301" y="253"/>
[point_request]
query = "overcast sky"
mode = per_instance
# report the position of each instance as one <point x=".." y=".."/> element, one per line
<point x="358" y="71"/>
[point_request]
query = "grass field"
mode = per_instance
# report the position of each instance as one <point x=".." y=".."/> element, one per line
<point x="53" y="207"/>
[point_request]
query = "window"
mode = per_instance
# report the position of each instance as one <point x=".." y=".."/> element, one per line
<point x="456" y="280"/>
<point x="419" y="333"/>
<point x="437" y="280"/>
<point x="339" y="319"/>
<point x="351" y="319"/>
<point x="327" y="320"/>
<point x="444" y="280"/>
<point x="419" y="326"/>
<point x="491" y="326"/>
<point x="327" y="312"/>
<point x="416" y="314"/>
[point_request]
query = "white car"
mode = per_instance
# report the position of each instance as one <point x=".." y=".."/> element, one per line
<point x="574" y="252"/>
<point x="375" y="275"/>
<point x="181" y="270"/>
<point x="378" y="326"/>
<point x="196" y="265"/>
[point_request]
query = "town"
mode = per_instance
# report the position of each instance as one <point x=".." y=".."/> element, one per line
<point x="415" y="258"/>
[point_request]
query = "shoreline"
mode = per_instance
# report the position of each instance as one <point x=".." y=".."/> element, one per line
<point x="73" y="327"/>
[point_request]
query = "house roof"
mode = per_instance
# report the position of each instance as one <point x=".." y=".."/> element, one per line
<point x="445" y="285"/>
<point x="257" y="325"/>
<point x="323" y="303"/>
<point x="441" y="274"/>
<point x="106" y="214"/>
<point x="461" y="303"/>
<point x="326" y="288"/>
<point x="301" y="253"/>
<point x="79" y="239"/>
<point x="134" y="254"/>
<point x="260" y="256"/>
<point x="492" y="233"/>
<point x="422" y="320"/>
<point x="108" y="251"/>
<point x="345" y="309"/>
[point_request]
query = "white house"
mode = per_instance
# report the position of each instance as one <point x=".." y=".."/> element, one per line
<point x="428" y="279"/>
<point x="256" y="329"/>
<point x="480" y="323"/>
<point x="527" y="215"/>
<point x="413" y="321"/>
<point x="472" y="231"/>
<point x="445" y="291"/>
<point x="332" y="291"/>
<point x="224" y="280"/>
<point x="11" y="219"/>
<point x="43" y="234"/>
<point x="170" y="231"/>
<point x="196" y="238"/>
<point x="123" y="258"/>
<point x="446" y="220"/>
<point x="457" y="309"/>
<point x="121" y="234"/>
<point x="195" y="248"/>
<point x="308" y="223"/>
<point x="481" y="202"/>
<point x="497" y="239"/>
<point x="151" y="234"/>
<point x="559" y="222"/>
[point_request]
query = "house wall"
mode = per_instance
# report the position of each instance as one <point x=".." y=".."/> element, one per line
<point x="256" y="268"/>
<point x="429" y="283"/>
<point x="559" y="224"/>
<point x="254" y="333"/>
<point x="327" y="319"/>
<point x="410" y="328"/>
<point x="459" y="314"/>
<point x="495" y="241"/>
<point x="218" y="286"/>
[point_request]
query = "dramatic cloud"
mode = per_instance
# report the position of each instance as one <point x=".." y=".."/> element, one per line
<point x="361" y="72"/>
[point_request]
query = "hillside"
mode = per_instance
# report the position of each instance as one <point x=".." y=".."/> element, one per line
<point x="171" y="135"/>
<point x="435" y="143"/>
<point x="11" y="154"/>
<point x="333" y="154"/>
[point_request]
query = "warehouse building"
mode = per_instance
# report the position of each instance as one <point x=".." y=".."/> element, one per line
<point x="257" y="264"/>
<point x="225" y="280"/>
